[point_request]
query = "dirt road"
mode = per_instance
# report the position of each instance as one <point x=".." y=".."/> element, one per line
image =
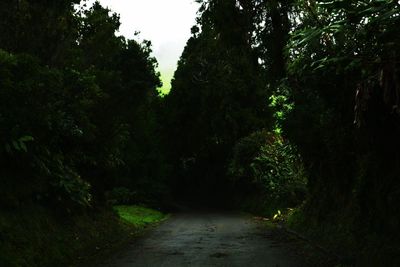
<point x="206" y="239"/>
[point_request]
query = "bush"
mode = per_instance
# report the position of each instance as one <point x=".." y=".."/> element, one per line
<point x="39" y="134"/>
<point x="266" y="163"/>
<point x="121" y="195"/>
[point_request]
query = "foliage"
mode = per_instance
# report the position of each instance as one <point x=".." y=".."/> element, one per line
<point x="331" y="72"/>
<point x="44" y="29"/>
<point x="121" y="196"/>
<point x="139" y="216"/>
<point x="35" y="133"/>
<point x="217" y="97"/>
<point x="80" y="113"/>
<point x="34" y="236"/>
<point x="71" y="118"/>
<point x="268" y="165"/>
<point x="342" y="74"/>
<point x="281" y="106"/>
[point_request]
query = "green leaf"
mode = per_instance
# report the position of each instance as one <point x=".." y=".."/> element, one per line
<point x="16" y="145"/>
<point x="23" y="146"/>
<point x="26" y="138"/>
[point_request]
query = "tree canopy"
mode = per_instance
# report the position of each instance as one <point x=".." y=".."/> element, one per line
<point x="274" y="105"/>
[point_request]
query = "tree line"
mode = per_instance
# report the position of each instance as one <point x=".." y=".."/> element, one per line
<point x="274" y="104"/>
<point x="275" y="96"/>
<point x="78" y="112"/>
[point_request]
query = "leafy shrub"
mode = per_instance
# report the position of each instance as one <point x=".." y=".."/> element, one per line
<point x="40" y="133"/>
<point x="265" y="162"/>
<point x="121" y="195"/>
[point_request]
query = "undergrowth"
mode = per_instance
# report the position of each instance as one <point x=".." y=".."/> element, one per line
<point x="36" y="237"/>
<point x="345" y="239"/>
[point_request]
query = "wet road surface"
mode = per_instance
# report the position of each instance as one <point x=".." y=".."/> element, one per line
<point x="206" y="239"/>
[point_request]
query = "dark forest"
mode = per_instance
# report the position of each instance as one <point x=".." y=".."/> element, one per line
<point x="287" y="110"/>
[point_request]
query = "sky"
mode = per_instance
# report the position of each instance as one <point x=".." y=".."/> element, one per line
<point x="166" y="23"/>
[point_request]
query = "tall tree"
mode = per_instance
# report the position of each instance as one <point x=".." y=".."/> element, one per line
<point x="218" y="93"/>
<point x="46" y="29"/>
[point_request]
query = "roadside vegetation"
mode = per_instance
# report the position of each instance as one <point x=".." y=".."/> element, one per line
<point x="139" y="216"/>
<point x="78" y="120"/>
<point x="286" y="104"/>
<point x="36" y="236"/>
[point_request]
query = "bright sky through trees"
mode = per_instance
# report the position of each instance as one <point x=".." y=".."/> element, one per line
<point x="166" y="23"/>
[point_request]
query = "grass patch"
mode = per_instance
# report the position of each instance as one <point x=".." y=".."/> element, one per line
<point x="139" y="216"/>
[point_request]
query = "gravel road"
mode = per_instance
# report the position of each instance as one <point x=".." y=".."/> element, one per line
<point x="206" y="239"/>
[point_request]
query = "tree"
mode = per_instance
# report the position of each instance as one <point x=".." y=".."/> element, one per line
<point x="43" y="28"/>
<point x="71" y="113"/>
<point x="218" y="95"/>
<point x="342" y="72"/>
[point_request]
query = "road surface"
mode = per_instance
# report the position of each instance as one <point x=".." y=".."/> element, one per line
<point x="206" y="239"/>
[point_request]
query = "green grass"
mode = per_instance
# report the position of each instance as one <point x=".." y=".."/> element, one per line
<point x="139" y="216"/>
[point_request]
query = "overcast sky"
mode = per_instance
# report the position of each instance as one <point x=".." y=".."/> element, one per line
<point x="166" y="23"/>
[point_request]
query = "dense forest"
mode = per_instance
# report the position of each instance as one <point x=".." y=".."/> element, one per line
<point x="276" y="107"/>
